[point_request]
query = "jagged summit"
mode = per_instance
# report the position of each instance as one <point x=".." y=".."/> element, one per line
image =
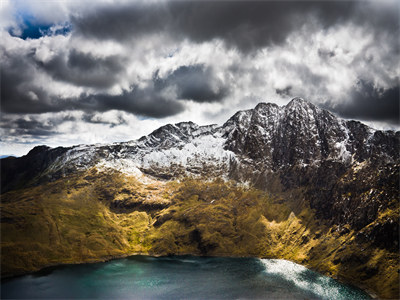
<point x="264" y="105"/>
<point x="298" y="101"/>
<point x="302" y="109"/>
<point x="266" y="138"/>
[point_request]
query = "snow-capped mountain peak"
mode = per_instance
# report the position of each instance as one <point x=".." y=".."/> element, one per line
<point x="267" y="138"/>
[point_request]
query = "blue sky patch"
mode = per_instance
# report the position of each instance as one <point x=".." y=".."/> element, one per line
<point x="30" y="30"/>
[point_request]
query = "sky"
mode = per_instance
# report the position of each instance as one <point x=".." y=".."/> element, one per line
<point x="85" y="72"/>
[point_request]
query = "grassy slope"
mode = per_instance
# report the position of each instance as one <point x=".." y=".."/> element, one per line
<point x="80" y="219"/>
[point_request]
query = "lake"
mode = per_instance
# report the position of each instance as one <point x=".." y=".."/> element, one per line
<point x="180" y="277"/>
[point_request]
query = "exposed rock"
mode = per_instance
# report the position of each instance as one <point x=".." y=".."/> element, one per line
<point x="344" y="171"/>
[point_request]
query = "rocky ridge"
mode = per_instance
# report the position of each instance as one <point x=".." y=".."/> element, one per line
<point x="273" y="137"/>
<point x="330" y="184"/>
<point x="270" y="147"/>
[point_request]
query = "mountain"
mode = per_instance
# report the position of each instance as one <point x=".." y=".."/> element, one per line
<point x="267" y="138"/>
<point x="338" y="179"/>
<point x="273" y="148"/>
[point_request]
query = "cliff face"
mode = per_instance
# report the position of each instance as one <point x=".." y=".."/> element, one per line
<point x="338" y="177"/>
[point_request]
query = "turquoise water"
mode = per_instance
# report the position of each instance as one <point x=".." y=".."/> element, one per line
<point x="180" y="277"/>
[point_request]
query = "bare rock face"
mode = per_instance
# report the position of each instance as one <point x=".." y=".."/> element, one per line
<point x="26" y="170"/>
<point x="302" y="134"/>
<point x="347" y="171"/>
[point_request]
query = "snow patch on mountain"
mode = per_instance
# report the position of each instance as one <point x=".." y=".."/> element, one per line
<point x="207" y="149"/>
<point x="268" y="137"/>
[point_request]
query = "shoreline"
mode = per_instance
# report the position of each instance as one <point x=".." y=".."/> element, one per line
<point x="48" y="268"/>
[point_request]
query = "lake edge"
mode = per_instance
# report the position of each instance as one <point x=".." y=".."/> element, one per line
<point x="48" y="268"/>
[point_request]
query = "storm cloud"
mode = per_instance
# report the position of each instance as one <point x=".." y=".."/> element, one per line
<point x="84" y="69"/>
<point x="30" y="127"/>
<point x="145" y="102"/>
<point x="19" y="93"/>
<point x="116" y="65"/>
<point x="196" y="83"/>
<point x="157" y="98"/>
<point x="368" y="102"/>
<point x="247" y="25"/>
<point x="33" y="125"/>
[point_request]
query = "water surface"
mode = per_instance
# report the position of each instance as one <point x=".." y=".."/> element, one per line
<point x="180" y="277"/>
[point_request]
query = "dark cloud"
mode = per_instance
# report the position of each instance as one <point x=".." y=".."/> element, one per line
<point x="30" y="126"/>
<point x="382" y="19"/>
<point x="145" y="102"/>
<point x="326" y="53"/>
<point x="97" y="119"/>
<point x="121" y="22"/>
<point x="371" y="103"/>
<point x="20" y="94"/>
<point x="285" y="92"/>
<point x="196" y="82"/>
<point x="139" y="101"/>
<point x="246" y="25"/>
<point x="83" y="69"/>
<point x="37" y="126"/>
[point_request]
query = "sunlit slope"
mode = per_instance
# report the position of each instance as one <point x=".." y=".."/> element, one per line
<point x="99" y="215"/>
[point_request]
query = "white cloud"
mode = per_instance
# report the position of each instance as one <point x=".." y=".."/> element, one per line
<point x="317" y="64"/>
